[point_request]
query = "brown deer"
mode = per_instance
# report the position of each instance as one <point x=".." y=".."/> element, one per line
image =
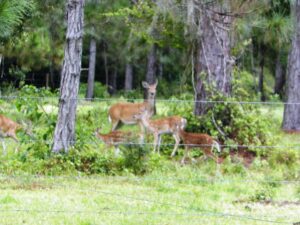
<point x="115" y="138"/>
<point x="167" y="125"/>
<point x="198" y="140"/>
<point x="124" y="112"/>
<point x="9" y="128"/>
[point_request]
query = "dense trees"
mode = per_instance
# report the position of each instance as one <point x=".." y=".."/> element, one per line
<point x="199" y="47"/>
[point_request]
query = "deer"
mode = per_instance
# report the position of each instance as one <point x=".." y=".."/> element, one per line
<point x="199" y="140"/>
<point x="9" y="128"/>
<point x="167" y="125"/>
<point x="124" y="112"/>
<point x="114" y="138"/>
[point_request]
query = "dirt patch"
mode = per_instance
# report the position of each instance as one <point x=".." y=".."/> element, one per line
<point x="247" y="156"/>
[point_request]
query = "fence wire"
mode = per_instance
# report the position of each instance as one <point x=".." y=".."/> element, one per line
<point x="157" y="100"/>
<point x="163" y="214"/>
<point x="198" y="213"/>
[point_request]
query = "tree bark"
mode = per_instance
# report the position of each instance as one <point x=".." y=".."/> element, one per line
<point x="261" y="74"/>
<point x="128" y="77"/>
<point x="113" y="82"/>
<point x="279" y="75"/>
<point x="64" y="134"/>
<point x="92" y="65"/>
<point x="291" y="117"/>
<point x="151" y="65"/>
<point x="213" y="54"/>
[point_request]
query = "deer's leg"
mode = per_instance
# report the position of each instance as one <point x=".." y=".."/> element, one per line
<point x="185" y="154"/>
<point x="3" y="146"/>
<point x="142" y="133"/>
<point x="114" y="124"/>
<point x="117" y="151"/>
<point x="155" y="142"/>
<point x="177" y="141"/>
<point x="158" y="142"/>
<point x="13" y="136"/>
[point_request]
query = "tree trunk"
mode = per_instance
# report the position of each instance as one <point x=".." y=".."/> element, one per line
<point x="128" y="77"/>
<point x="291" y="117"/>
<point x="92" y="65"/>
<point x="113" y="82"/>
<point x="151" y="65"/>
<point x="105" y="65"/>
<point x="279" y="75"/>
<point x="64" y="134"/>
<point x="261" y="74"/>
<point x="213" y="54"/>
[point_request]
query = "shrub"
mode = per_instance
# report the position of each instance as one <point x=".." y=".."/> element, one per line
<point x="241" y="124"/>
<point x="100" y="90"/>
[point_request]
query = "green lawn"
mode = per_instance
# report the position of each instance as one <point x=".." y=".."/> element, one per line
<point x="184" y="195"/>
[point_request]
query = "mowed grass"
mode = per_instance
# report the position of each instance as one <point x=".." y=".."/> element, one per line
<point x="183" y="196"/>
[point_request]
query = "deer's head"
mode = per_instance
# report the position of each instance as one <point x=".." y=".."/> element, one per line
<point x="151" y="89"/>
<point x="143" y="113"/>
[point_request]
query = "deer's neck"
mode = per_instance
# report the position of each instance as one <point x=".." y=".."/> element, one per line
<point x="146" y="124"/>
<point x="150" y="101"/>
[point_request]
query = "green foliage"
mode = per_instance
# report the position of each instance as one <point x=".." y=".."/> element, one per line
<point x="100" y="90"/>
<point x="242" y="124"/>
<point x="263" y="194"/>
<point x="12" y="13"/>
<point x="29" y="101"/>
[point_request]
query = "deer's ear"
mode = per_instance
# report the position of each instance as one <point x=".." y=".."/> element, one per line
<point x="145" y="84"/>
<point x="156" y="82"/>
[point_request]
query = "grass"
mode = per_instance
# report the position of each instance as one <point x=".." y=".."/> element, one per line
<point x="167" y="194"/>
<point x="177" y="197"/>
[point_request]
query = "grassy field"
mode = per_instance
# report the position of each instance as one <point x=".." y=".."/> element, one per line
<point x="182" y="196"/>
<point x="168" y="194"/>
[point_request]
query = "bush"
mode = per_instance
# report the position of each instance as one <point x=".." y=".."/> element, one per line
<point x="100" y="90"/>
<point x="241" y="124"/>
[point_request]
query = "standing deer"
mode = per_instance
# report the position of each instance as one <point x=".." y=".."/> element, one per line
<point x="114" y="138"/>
<point x="8" y="128"/>
<point x="167" y="125"/>
<point x="197" y="140"/>
<point x="124" y="112"/>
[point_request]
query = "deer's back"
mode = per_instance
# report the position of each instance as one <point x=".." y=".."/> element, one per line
<point x="126" y="111"/>
<point x="115" y="137"/>
<point x="7" y="124"/>
<point x="196" y="138"/>
<point x="168" y="124"/>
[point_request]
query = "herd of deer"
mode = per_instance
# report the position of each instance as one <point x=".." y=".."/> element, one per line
<point x="137" y="113"/>
<point x="140" y="113"/>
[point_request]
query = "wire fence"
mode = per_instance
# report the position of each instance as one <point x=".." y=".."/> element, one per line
<point x="160" y="214"/>
<point x="199" y="212"/>
<point x="193" y="212"/>
<point x="157" y="100"/>
<point x="294" y="146"/>
<point x="181" y="180"/>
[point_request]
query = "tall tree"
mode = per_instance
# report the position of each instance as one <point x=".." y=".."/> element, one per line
<point x="92" y="65"/>
<point x="92" y="29"/>
<point x="213" y="63"/>
<point x="151" y="64"/>
<point x="291" y="118"/>
<point x="128" y="76"/>
<point x="64" y="135"/>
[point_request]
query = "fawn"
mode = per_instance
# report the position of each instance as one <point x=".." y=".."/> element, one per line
<point x="167" y="125"/>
